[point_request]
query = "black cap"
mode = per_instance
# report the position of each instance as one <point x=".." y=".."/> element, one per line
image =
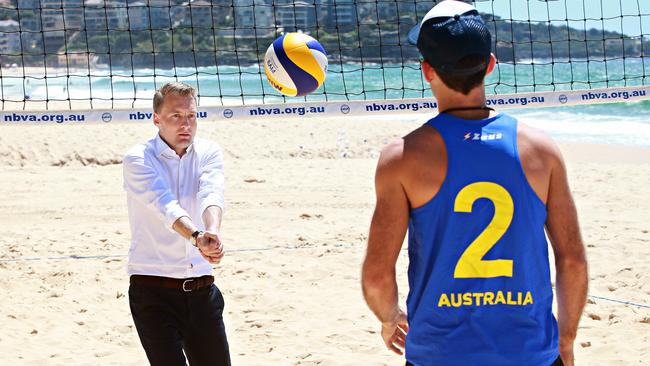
<point x="449" y="32"/>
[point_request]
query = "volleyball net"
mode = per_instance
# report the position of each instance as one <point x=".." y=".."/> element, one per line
<point x="106" y="57"/>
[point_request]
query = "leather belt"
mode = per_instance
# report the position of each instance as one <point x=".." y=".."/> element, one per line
<point x="185" y="284"/>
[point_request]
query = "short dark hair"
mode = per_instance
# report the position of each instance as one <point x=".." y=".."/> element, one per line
<point x="172" y="88"/>
<point x="465" y="83"/>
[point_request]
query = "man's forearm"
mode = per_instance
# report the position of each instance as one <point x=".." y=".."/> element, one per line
<point x="212" y="218"/>
<point x="571" y="285"/>
<point x="380" y="292"/>
<point x="184" y="226"/>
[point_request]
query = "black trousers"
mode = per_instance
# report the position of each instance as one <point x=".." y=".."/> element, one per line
<point x="557" y="362"/>
<point x="171" y="321"/>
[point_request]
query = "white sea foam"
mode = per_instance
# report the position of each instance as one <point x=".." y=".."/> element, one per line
<point x="573" y="126"/>
<point x="594" y="128"/>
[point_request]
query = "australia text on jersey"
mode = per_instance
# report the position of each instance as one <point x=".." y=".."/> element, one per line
<point x="485" y="298"/>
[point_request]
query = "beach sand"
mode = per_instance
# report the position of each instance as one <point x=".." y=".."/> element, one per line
<point x="299" y="201"/>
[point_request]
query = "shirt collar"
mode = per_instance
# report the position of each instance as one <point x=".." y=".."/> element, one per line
<point x="162" y="149"/>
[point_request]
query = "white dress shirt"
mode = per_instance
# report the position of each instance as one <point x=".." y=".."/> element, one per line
<point x="160" y="188"/>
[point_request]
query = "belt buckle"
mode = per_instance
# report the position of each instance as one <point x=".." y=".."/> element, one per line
<point x="187" y="282"/>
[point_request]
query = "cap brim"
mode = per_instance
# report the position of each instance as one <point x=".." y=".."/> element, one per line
<point x="412" y="37"/>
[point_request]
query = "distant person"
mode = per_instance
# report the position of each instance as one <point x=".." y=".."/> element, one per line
<point x="476" y="191"/>
<point x="174" y="187"/>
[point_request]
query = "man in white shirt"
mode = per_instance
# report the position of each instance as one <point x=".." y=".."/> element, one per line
<point x="174" y="186"/>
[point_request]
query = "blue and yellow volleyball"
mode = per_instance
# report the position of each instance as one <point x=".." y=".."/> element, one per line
<point x="295" y="64"/>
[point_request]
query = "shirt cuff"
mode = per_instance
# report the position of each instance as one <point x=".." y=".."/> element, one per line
<point x="174" y="213"/>
<point x="212" y="200"/>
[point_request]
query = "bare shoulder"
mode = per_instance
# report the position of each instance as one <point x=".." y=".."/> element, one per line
<point x="534" y="143"/>
<point x="411" y="148"/>
<point x="392" y="153"/>
<point x="390" y="159"/>
<point x="417" y="163"/>
<point x="540" y="159"/>
<point x="422" y="137"/>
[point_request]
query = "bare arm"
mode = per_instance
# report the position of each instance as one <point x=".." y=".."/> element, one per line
<point x="387" y="231"/>
<point x="570" y="260"/>
<point x="212" y="218"/>
<point x="213" y="246"/>
<point x="184" y="226"/>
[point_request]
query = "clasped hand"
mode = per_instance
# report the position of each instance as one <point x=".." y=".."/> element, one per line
<point x="210" y="246"/>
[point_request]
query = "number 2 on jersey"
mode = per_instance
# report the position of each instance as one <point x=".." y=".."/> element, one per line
<point x="471" y="263"/>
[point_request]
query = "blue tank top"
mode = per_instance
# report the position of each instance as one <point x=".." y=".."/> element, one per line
<point x="480" y="289"/>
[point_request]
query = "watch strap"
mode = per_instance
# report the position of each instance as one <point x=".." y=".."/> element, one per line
<point x="195" y="236"/>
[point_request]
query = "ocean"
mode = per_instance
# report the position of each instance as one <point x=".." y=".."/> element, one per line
<point x="621" y="123"/>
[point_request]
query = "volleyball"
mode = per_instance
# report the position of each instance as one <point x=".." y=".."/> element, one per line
<point x="295" y="64"/>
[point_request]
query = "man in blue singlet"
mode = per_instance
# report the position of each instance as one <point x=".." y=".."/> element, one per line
<point x="476" y="191"/>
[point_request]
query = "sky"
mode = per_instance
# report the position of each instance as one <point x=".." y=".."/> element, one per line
<point x="630" y="23"/>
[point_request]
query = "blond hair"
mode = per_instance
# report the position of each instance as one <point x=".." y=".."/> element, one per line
<point x="177" y="88"/>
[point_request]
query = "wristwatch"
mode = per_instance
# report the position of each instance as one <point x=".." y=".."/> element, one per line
<point x="195" y="236"/>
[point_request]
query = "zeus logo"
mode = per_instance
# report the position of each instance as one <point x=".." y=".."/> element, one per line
<point x="477" y="136"/>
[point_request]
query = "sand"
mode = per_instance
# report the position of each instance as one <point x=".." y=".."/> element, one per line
<point x="299" y="200"/>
